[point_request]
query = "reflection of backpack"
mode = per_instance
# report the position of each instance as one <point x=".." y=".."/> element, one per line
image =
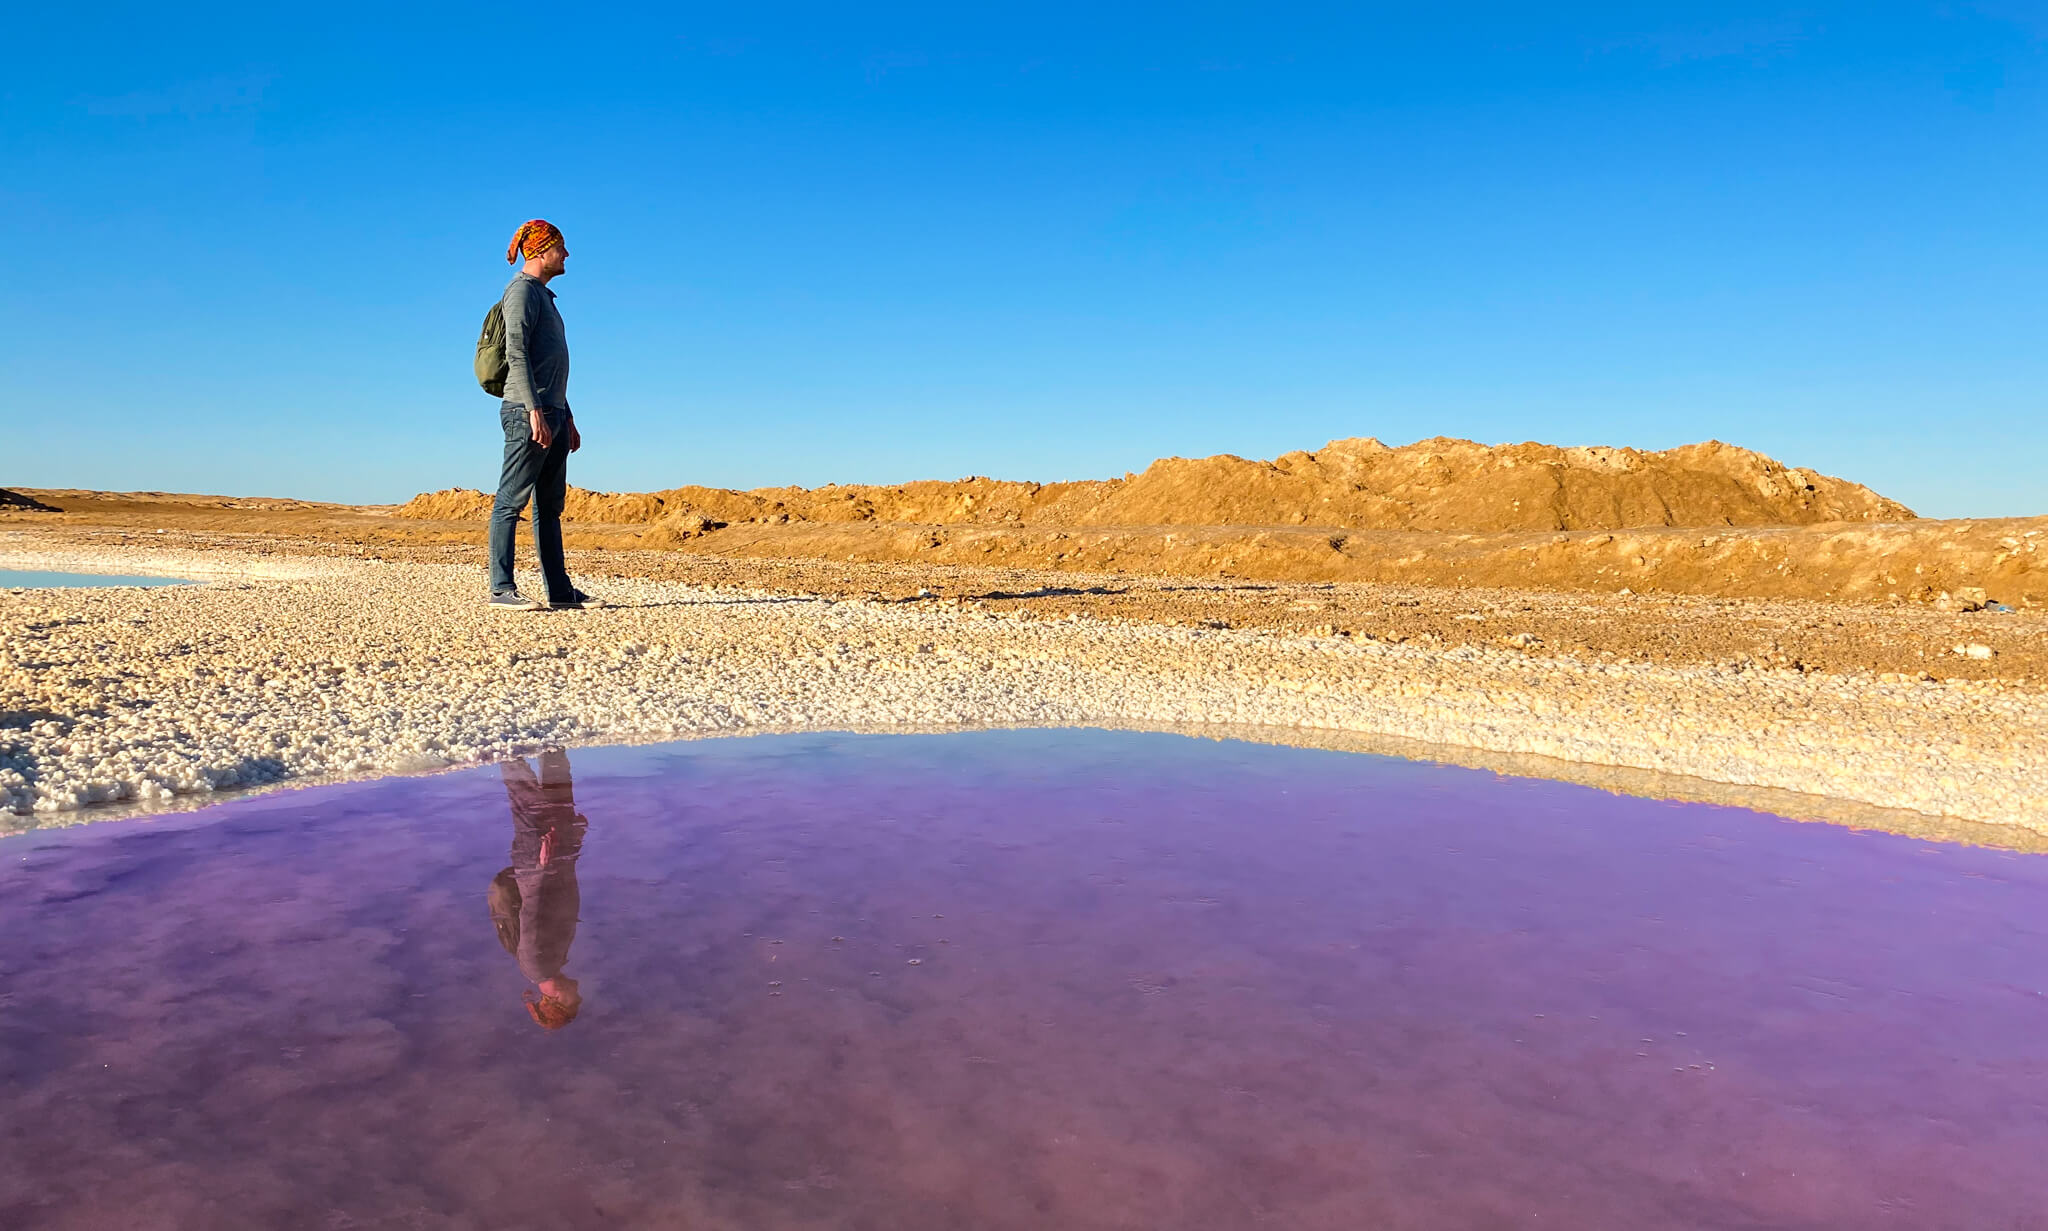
<point x="505" y="899"/>
<point x="491" y="365"/>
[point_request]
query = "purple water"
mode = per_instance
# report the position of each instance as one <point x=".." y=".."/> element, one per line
<point x="1067" y="979"/>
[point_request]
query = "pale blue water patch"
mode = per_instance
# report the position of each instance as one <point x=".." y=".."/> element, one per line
<point x="39" y="579"/>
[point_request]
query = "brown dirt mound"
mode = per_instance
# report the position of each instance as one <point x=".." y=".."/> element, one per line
<point x="448" y="504"/>
<point x="17" y="502"/>
<point x="1439" y="484"/>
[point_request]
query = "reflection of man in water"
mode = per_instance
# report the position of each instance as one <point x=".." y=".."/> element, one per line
<point x="534" y="901"/>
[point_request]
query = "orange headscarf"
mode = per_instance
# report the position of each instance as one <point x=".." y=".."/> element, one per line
<point x="531" y="239"/>
<point x="550" y="1012"/>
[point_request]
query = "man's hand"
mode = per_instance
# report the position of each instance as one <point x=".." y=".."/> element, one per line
<point x="575" y="437"/>
<point x="542" y="435"/>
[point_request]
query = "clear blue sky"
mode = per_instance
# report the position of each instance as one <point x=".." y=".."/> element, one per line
<point x="248" y="250"/>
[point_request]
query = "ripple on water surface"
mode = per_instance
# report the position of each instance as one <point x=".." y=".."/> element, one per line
<point x="1014" y="979"/>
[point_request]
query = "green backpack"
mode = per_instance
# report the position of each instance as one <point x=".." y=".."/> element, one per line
<point x="491" y="365"/>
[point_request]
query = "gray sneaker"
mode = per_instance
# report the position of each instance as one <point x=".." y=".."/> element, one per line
<point x="513" y="600"/>
<point x="579" y="602"/>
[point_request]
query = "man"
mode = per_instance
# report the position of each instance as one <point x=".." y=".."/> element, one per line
<point x="540" y="431"/>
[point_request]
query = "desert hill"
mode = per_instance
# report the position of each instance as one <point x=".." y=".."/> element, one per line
<point x="1776" y="532"/>
<point x="1439" y="485"/>
<point x="16" y="500"/>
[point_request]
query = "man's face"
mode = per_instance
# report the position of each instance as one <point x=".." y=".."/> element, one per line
<point x="555" y="260"/>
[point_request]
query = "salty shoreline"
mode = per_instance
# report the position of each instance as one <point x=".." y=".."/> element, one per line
<point x="308" y="668"/>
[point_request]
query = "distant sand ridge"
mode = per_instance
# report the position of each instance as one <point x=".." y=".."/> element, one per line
<point x="1707" y="519"/>
<point x="1432" y="485"/>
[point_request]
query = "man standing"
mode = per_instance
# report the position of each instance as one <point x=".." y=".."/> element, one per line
<point x="540" y="431"/>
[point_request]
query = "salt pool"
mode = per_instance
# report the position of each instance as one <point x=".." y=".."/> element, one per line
<point x="38" y="579"/>
<point x="1065" y="978"/>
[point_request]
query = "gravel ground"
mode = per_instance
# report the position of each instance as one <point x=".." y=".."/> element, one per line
<point x="289" y="668"/>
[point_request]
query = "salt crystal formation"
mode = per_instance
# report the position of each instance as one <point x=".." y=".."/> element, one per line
<point x="298" y="668"/>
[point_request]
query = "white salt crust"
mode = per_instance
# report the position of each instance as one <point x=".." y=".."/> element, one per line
<point x="280" y="669"/>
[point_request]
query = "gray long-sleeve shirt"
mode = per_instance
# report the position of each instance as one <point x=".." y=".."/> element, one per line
<point x="535" y="345"/>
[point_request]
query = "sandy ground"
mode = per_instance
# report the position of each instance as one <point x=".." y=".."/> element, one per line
<point x="315" y="655"/>
<point x="1905" y="565"/>
<point x="1762" y="597"/>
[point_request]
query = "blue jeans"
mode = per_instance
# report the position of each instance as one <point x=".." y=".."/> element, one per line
<point x="541" y="475"/>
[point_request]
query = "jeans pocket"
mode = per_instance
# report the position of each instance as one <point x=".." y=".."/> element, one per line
<point x="517" y="425"/>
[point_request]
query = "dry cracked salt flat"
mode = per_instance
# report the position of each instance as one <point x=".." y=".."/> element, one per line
<point x="307" y="669"/>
